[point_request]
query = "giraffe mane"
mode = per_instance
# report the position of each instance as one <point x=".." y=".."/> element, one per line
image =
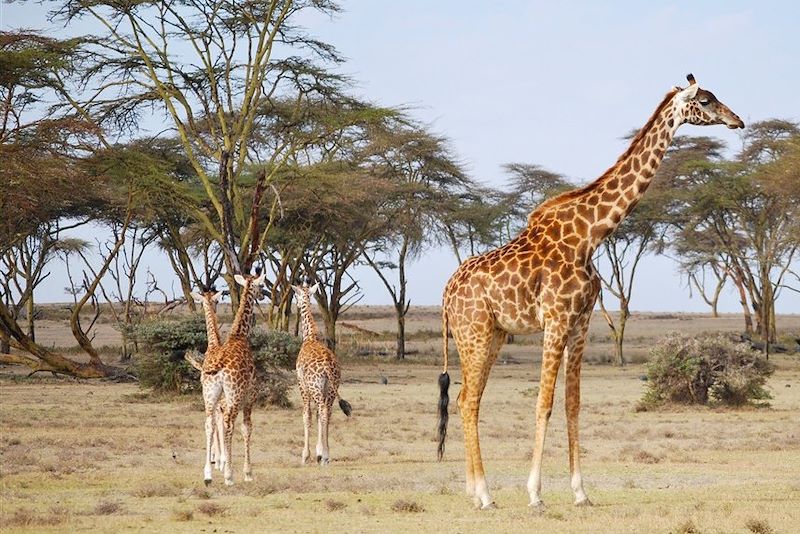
<point x="581" y="191"/>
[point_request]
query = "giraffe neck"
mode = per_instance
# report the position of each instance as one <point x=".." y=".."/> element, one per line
<point x="212" y="328"/>
<point x="597" y="209"/>
<point x="244" y="315"/>
<point x="307" y="320"/>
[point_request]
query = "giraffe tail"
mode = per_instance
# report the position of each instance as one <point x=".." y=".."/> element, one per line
<point x="444" y="386"/>
<point x="345" y="406"/>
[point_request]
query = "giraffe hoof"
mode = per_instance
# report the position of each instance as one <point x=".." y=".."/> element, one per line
<point x="207" y="481"/>
<point x="319" y="458"/>
<point x="490" y="506"/>
<point x="538" y="507"/>
<point x="584" y="502"/>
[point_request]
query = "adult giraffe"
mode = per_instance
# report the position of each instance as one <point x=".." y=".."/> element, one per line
<point x="544" y="280"/>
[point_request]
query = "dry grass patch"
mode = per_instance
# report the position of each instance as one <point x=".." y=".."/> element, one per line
<point x="182" y="515"/>
<point x="759" y="526"/>
<point x="687" y="527"/>
<point x="156" y="489"/>
<point x="107" y="508"/>
<point x="25" y="517"/>
<point x="334" y="506"/>
<point x="211" y="509"/>
<point x="402" y="505"/>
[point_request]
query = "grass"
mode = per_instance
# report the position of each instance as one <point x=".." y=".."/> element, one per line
<point x="96" y="456"/>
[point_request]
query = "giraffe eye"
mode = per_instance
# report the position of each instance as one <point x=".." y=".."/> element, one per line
<point x="704" y="101"/>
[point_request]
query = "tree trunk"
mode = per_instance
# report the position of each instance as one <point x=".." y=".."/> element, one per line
<point x="29" y="309"/>
<point x="748" y="319"/>
<point x="401" y="336"/>
<point x="5" y="345"/>
<point x="330" y="330"/>
<point x="43" y="359"/>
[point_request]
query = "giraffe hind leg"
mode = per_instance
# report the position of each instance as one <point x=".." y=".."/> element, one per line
<point x="574" y="356"/>
<point x="475" y="366"/>
<point x="212" y="391"/>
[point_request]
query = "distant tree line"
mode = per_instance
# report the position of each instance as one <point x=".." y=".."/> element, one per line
<point x="262" y="156"/>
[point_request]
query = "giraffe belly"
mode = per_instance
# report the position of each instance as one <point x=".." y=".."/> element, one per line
<point x="520" y="321"/>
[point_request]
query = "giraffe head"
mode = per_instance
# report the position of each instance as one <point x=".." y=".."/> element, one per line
<point x="207" y="296"/>
<point x="701" y="107"/>
<point x="304" y="292"/>
<point x="250" y="282"/>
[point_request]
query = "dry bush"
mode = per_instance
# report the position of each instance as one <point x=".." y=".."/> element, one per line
<point x="182" y="515"/>
<point x="106" y="508"/>
<point x="687" y="527"/>
<point x="211" y="509"/>
<point x="334" y="506"/>
<point x="402" y="505"/>
<point x="705" y="370"/>
<point x="156" y="490"/>
<point x="759" y="526"/>
<point x="25" y="517"/>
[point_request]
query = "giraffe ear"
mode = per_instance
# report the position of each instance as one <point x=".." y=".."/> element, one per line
<point x="689" y="93"/>
<point x="215" y="297"/>
<point x="239" y="279"/>
<point x="313" y="288"/>
<point x="298" y="290"/>
<point x="260" y="279"/>
<point x="197" y="297"/>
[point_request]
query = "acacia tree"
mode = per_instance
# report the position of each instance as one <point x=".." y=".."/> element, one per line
<point x="425" y="175"/>
<point x="43" y="180"/>
<point x="241" y="59"/>
<point x="747" y="213"/>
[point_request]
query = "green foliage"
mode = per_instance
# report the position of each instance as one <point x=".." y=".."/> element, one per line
<point x="160" y="363"/>
<point x="705" y="370"/>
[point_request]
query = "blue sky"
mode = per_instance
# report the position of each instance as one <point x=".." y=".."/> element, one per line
<point x="552" y="83"/>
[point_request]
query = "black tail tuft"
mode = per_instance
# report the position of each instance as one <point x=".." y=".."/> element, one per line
<point x="345" y="406"/>
<point x="444" y="400"/>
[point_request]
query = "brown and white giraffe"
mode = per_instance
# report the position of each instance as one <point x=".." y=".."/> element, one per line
<point x="208" y="297"/>
<point x="544" y="280"/>
<point x="318" y="375"/>
<point x="229" y="372"/>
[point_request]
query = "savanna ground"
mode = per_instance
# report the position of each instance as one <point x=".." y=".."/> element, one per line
<point x="109" y="457"/>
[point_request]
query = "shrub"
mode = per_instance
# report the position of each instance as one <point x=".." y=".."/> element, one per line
<point x="160" y="363"/>
<point x="705" y="370"/>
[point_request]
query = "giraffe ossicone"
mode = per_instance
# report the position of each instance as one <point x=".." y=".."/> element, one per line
<point x="544" y="280"/>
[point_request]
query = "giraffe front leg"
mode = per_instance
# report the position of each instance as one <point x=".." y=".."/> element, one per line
<point x="247" y="429"/>
<point x="554" y="343"/>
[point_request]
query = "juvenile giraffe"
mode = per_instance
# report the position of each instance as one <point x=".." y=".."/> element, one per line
<point x="229" y="373"/>
<point x="208" y="297"/>
<point x="318" y="376"/>
<point x="544" y="280"/>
